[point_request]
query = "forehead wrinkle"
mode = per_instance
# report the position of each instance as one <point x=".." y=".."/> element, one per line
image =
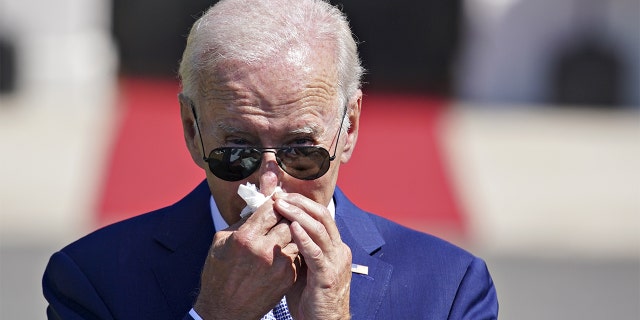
<point x="227" y="95"/>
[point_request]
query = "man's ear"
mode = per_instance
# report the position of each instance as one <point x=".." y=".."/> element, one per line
<point x="355" y="106"/>
<point x="191" y="136"/>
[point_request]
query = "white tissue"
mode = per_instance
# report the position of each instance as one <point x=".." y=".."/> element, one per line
<point x="252" y="196"/>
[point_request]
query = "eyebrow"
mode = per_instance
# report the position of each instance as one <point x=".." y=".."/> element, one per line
<point x="227" y="128"/>
<point x="313" y="129"/>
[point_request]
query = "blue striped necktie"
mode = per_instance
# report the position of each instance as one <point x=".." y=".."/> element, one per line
<point x="280" y="312"/>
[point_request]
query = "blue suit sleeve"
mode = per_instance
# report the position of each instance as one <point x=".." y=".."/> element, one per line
<point x="69" y="293"/>
<point x="476" y="297"/>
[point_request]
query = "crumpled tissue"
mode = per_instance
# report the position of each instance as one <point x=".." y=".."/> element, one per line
<point x="252" y="196"/>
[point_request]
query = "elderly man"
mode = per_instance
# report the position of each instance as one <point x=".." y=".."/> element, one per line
<point x="271" y="97"/>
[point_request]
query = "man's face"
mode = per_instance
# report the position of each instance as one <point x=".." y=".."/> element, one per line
<point x="271" y="105"/>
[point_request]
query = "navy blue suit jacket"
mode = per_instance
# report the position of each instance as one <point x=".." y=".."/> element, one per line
<point x="148" y="267"/>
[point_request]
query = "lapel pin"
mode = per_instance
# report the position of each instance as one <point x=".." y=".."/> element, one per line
<point x="356" y="268"/>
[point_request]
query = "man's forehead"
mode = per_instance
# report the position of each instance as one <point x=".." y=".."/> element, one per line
<point x="290" y="72"/>
<point x="266" y="92"/>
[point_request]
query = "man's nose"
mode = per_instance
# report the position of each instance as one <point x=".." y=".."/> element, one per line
<point x="269" y="173"/>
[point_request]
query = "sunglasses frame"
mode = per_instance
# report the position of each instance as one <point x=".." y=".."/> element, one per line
<point x="273" y="150"/>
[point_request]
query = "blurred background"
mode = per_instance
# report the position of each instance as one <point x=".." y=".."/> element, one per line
<point x="521" y="119"/>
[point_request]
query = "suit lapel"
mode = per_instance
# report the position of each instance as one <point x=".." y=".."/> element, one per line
<point x="186" y="234"/>
<point x="361" y="235"/>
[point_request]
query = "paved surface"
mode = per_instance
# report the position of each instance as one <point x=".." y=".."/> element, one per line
<point x="567" y="288"/>
<point x="528" y="288"/>
<point x="20" y="274"/>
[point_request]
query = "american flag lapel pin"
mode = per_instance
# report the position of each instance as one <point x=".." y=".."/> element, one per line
<point x="360" y="269"/>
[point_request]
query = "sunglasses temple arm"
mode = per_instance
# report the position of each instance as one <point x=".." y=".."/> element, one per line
<point x="335" y="149"/>
<point x="195" y="119"/>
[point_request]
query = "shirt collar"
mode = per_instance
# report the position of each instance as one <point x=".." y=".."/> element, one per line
<point x="220" y="224"/>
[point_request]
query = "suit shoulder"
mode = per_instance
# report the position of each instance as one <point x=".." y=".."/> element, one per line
<point x="404" y="243"/>
<point x="117" y="235"/>
<point x="170" y="224"/>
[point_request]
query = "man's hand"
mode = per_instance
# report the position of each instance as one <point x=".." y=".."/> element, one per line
<point x="322" y="288"/>
<point x="250" y="266"/>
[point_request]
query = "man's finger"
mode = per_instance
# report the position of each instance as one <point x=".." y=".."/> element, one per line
<point x="313" y="255"/>
<point x="280" y="233"/>
<point x="315" y="210"/>
<point x="261" y="221"/>
<point x="314" y="229"/>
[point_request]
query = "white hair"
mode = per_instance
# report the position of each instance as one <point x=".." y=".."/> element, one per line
<point x="252" y="31"/>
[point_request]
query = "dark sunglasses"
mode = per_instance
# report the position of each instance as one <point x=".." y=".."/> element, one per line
<point x="237" y="163"/>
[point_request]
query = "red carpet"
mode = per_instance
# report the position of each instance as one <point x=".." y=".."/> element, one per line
<point x="397" y="169"/>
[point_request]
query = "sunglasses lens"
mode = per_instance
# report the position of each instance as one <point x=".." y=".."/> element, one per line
<point x="305" y="163"/>
<point x="233" y="164"/>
